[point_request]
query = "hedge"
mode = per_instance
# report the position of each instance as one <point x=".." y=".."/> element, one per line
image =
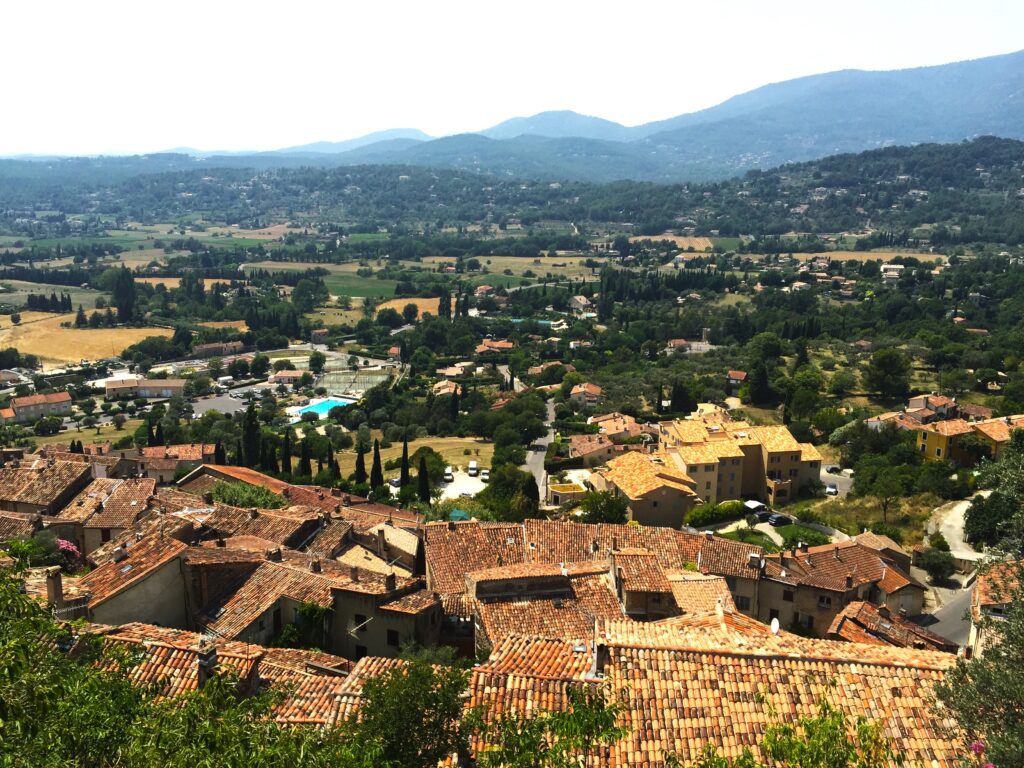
<point x="709" y="514"/>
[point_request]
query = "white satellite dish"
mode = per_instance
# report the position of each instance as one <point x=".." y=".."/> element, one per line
<point x="775" y="626"/>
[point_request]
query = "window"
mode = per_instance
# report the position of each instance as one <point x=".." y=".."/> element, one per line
<point x="735" y="462"/>
<point x="104" y="534"/>
<point x="742" y="602"/>
<point x="654" y="504"/>
<point x="732" y="476"/>
<point x="824" y="601"/>
<point x="773" y="614"/>
<point x="709" y="467"/>
<point x="360" y="652"/>
<point x="787" y="595"/>
<point x="938" y="451"/>
<point x="393" y="638"/>
<point x="359" y="622"/>
<point x="923" y="447"/>
<point x="707" y="485"/>
<point x="792" y="473"/>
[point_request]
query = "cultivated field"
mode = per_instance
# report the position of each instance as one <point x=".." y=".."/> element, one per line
<point x="451" y="448"/>
<point x="871" y="255"/>
<point x="239" y="324"/>
<point x="699" y="244"/>
<point x="567" y="267"/>
<point x="19" y="291"/>
<point x="103" y="434"/>
<point x="175" y="282"/>
<point x="41" y="334"/>
<point x="326" y="316"/>
<point x="425" y="306"/>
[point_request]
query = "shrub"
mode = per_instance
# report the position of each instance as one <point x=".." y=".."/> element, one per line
<point x="710" y="514"/>
<point x="938" y="564"/>
<point x="792" y="536"/>
<point x="938" y="541"/>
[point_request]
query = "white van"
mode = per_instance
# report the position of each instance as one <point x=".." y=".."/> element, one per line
<point x="473" y="469"/>
<point x="449" y="475"/>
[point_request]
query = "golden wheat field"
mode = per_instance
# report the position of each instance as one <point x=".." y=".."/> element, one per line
<point x="41" y="334"/>
<point x="871" y="255"/>
<point x="681" y="242"/>
<point x="174" y="282"/>
<point x="425" y="306"/>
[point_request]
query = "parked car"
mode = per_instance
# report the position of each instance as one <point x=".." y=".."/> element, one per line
<point x="764" y="515"/>
<point x="485" y="475"/>
<point x="832" y="469"/>
<point x="831" y="490"/>
<point x="449" y="475"/>
<point x="395" y="482"/>
<point x="779" y="520"/>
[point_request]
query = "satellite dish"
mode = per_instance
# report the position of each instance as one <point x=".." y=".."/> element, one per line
<point x="775" y="626"/>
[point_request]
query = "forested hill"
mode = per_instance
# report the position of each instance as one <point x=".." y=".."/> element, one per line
<point x="968" y="191"/>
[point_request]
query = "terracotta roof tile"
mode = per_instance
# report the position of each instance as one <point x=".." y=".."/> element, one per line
<point x="864" y="622"/>
<point x="640" y="571"/>
<point x="142" y="559"/>
<point x="699" y="593"/>
<point x="125" y="504"/>
<point x="637" y="474"/>
<point x="88" y="501"/>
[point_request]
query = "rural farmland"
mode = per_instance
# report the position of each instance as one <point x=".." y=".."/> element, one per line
<point x="41" y="334"/>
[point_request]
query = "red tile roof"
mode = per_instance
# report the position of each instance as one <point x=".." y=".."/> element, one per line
<point x="125" y="504"/>
<point x="867" y="623"/>
<point x="51" y="399"/>
<point x="142" y="559"/>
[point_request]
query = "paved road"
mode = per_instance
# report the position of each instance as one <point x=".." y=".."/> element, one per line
<point x="949" y="619"/>
<point x="949" y="519"/>
<point x="535" y="459"/>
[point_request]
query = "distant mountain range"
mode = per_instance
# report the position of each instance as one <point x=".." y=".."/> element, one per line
<point x="796" y="120"/>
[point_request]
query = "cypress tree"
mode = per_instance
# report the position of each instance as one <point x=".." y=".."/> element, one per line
<point x="403" y="479"/>
<point x="219" y="457"/>
<point x="150" y="439"/>
<point x="423" y="480"/>
<point x="376" y="471"/>
<point x="286" y="453"/>
<point x="160" y="433"/>
<point x="239" y="456"/>
<point x="360" y="474"/>
<point x="305" y="468"/>
<point x="251" y="436"/>
<point x="319" y="465"/>
<point x="453" y="405"/>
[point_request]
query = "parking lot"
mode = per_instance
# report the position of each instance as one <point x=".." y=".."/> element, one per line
<point x="462" y="484"/>
<point x="841" y="482"/>
<point x="221" y="403"/>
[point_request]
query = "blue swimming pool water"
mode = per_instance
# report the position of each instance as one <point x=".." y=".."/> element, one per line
<point x="322" y="408"/>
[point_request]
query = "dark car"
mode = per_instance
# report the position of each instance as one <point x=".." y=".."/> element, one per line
<point x="779" y="520"/>
<point x="764" y="515"/>
<point x="832" y="469"/>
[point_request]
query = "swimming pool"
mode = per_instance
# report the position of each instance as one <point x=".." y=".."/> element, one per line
<point x="322" y="407"/>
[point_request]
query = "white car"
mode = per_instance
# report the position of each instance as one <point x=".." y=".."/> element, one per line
<point x="831" y="490"/>
<point x="485" y="475"/>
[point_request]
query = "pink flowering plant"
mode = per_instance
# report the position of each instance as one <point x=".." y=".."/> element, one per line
<point x="69" y="550"/>
<point x="976" y="759"/>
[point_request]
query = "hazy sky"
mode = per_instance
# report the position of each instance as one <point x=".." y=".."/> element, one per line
<point x="146" y="75"/>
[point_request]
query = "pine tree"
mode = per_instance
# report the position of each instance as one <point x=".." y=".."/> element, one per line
<point x="423" y="480"/>
<point x="360" y="473"/>
<point x="286" y="453"/>
<point x="403" y="479"/>
<point x="376" y="471"/>
<point x="305" y="468"/>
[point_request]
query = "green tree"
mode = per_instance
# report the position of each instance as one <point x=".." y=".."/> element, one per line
<point x="410" y="312"/>
<point x="305" y="466"/>
<point x="317" y="361"/>
<point x="124" y="294"/>
<point x="251" y="437"/>
<point x="938" y="564"/>
<point x="888" y="489"/>
<point x="376" y="469"/>
<point x="360" y="471"/>
<point x="888" y="373"/>
<point x="286" y="453"/>
<point x="403" y="477"/>
<point x="603" y="507"/>
<point x="423" y="483"/>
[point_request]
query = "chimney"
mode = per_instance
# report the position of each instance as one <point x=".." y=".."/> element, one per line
<point x="803" y="546"/>
<point x="274" y="555"/>
<point x="208" y="498"/>
<point x="221" y="542"/>
<point x="286" y="492"/>
<point x="753" y="560"/>
<point x="314" y="565"/>
<point x="354" y="574"/>
<point x="206" y="662"/>
<point x="883" y="611"/>
<point x="390" y="582"/>
<point x="253" y="513"/>
<point x="381" y="549"/>
<point x="835" y="552"/>
<point x="849" y="582"/>
<point x="615" y="543"/>
<point x="346" y="499"/>
<point x="709" y="535"/>
<point x="451" y="525"/>
<point x="54" y="587"/>
<point x="118" y="554"/>
<point x="336" y="492"/>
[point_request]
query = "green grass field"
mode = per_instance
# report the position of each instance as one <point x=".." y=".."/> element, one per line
<point x="752" y="537"/>
<point x="20" y="291"/>
<point x="354" y="285"/>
